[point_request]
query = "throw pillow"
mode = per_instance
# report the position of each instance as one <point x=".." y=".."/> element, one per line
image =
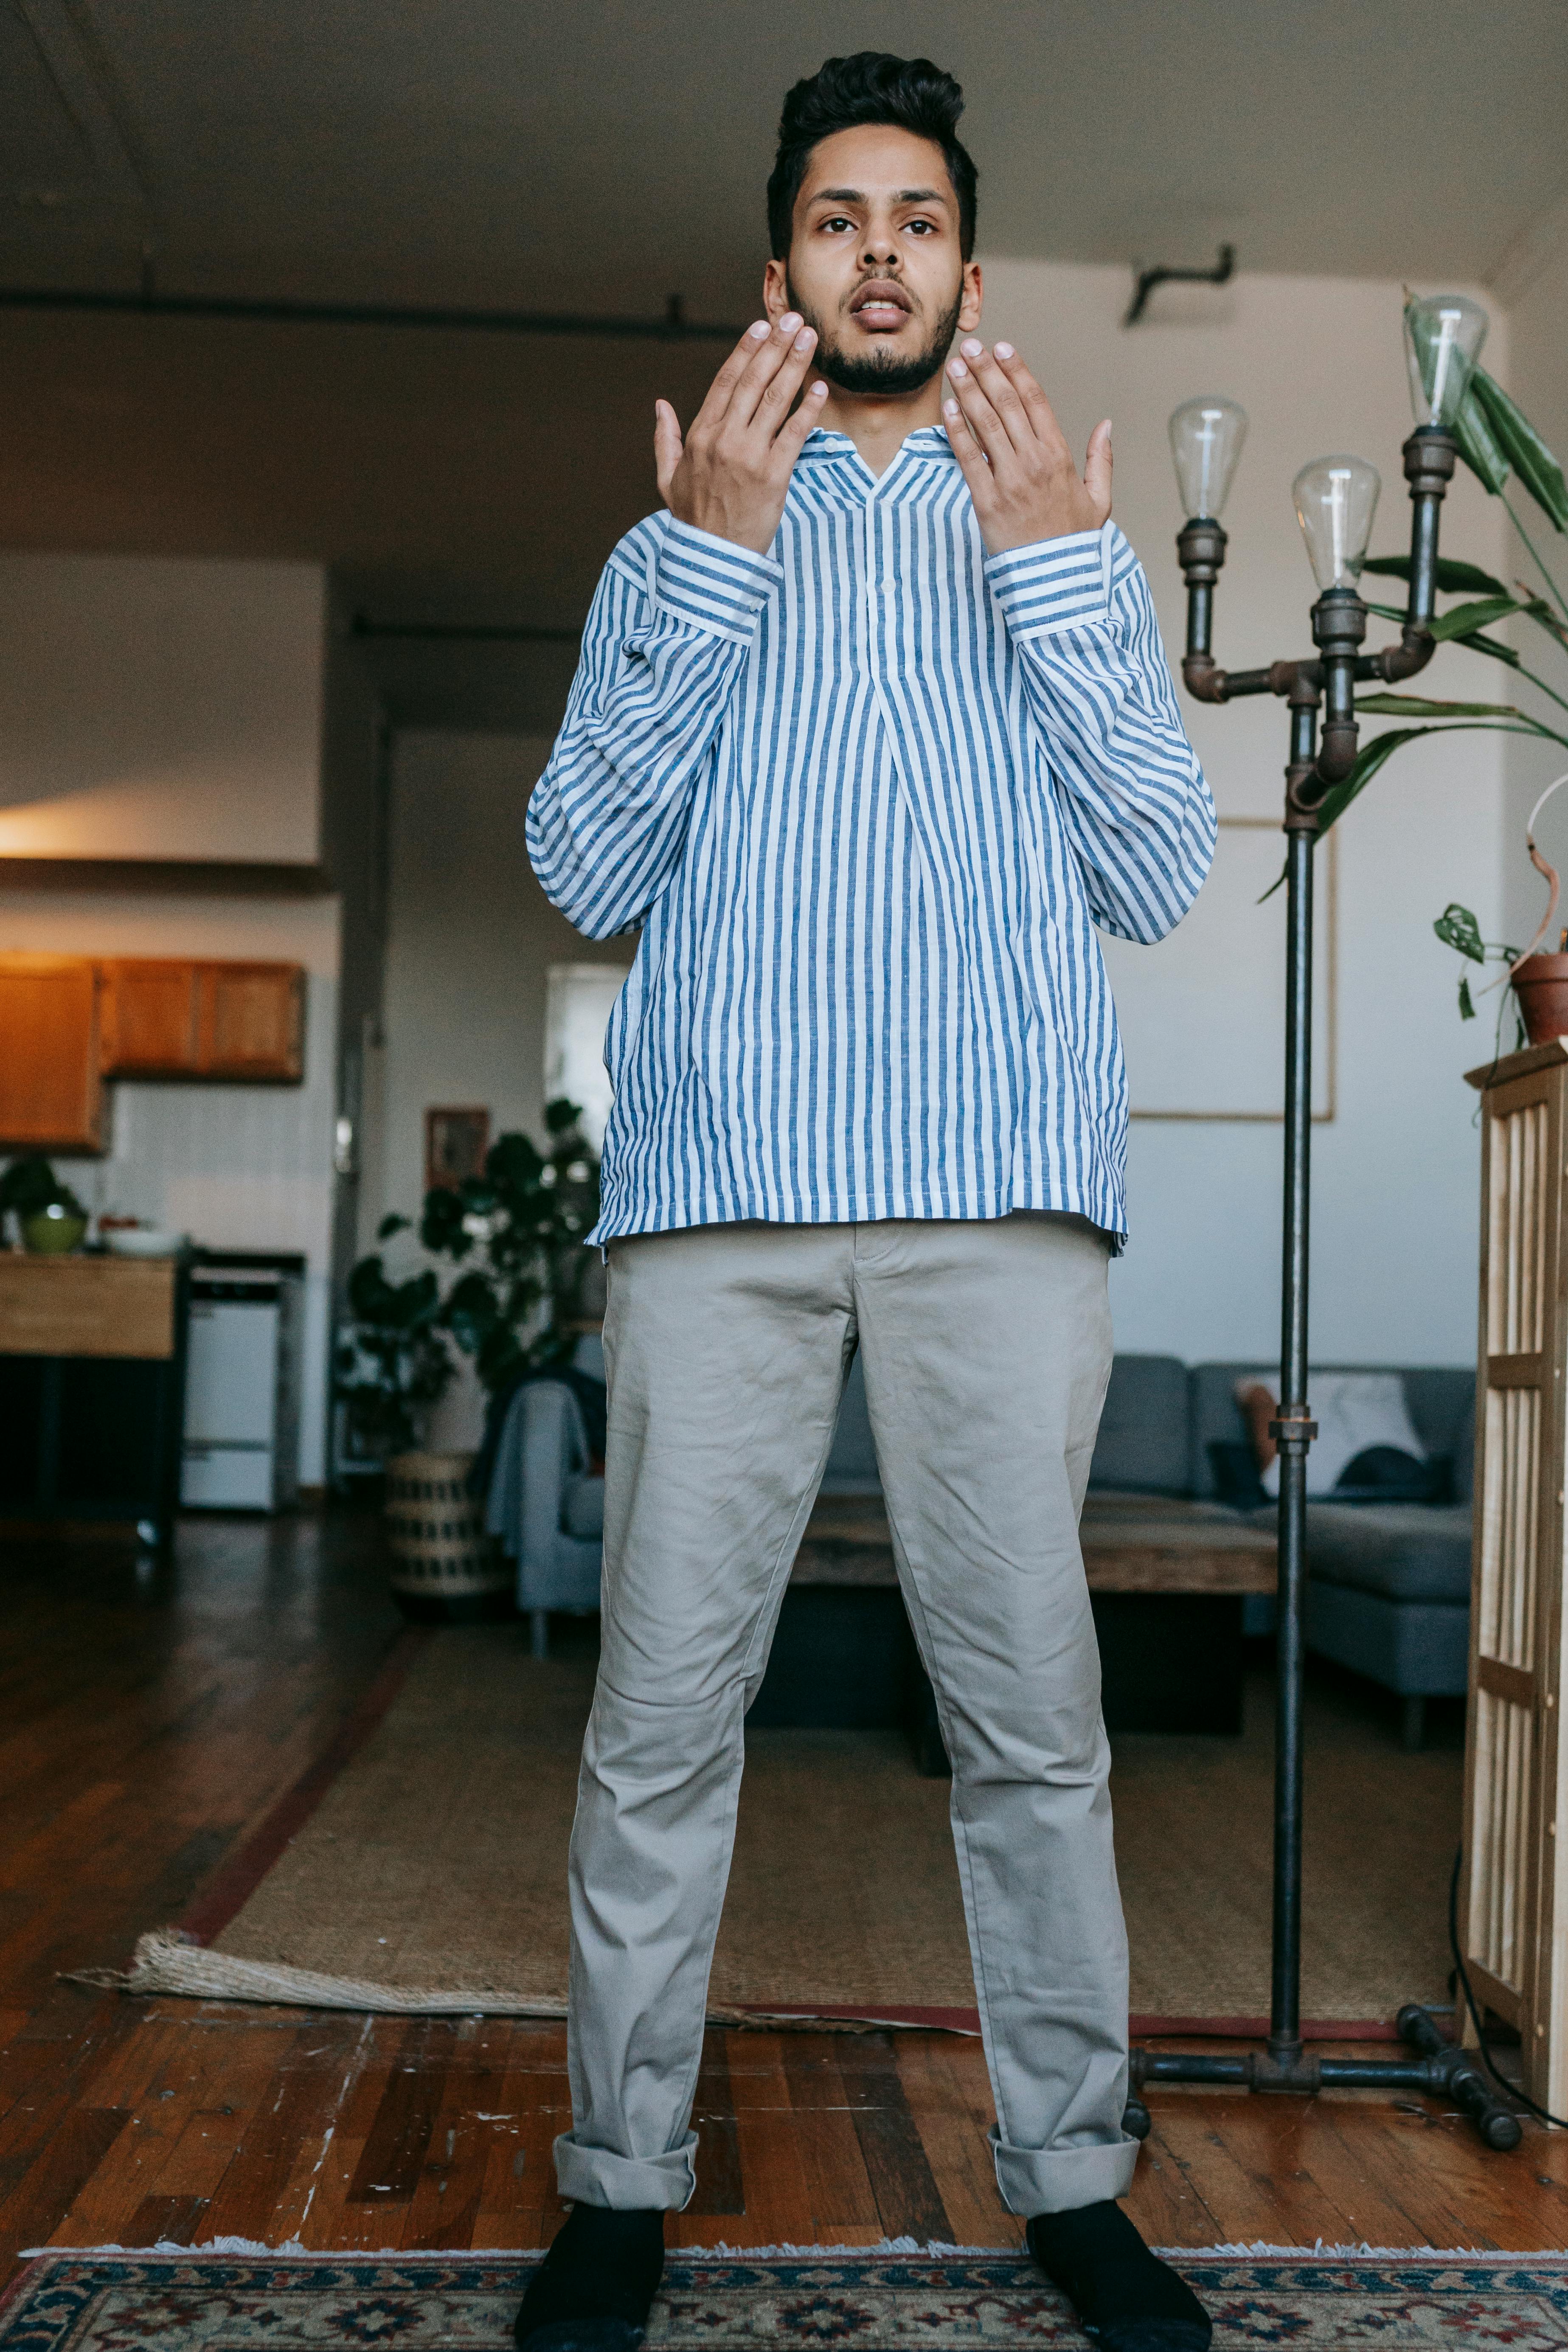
<point x="1353" y="1410"/>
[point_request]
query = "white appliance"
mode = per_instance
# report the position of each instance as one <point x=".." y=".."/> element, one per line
<point x="242" y="1383"/>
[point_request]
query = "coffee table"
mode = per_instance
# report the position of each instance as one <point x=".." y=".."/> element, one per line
<point x="1167" y="1578"/>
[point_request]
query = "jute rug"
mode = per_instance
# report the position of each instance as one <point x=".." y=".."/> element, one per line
<point x="881" y="2301"/>
<point x="431" y="1875"/>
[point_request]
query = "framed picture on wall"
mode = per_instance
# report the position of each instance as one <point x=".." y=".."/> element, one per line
<point x="456" y="1142"/>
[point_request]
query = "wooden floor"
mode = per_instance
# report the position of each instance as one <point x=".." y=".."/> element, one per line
<point x="150" y="1716"/>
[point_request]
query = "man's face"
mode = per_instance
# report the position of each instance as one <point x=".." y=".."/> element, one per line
<point x="875" y="264"/>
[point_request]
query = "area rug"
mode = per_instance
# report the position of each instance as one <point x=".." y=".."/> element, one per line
<point x="882" y="2303"/>
<point x="429" y="1873"/>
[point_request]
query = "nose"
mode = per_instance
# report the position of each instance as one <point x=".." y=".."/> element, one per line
<point x="880" y="252"/>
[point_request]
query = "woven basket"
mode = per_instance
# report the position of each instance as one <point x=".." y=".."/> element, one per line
<point x="435" y="1530"/>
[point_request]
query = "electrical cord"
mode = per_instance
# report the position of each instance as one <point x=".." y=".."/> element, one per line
<point x="1511" y="2089"/>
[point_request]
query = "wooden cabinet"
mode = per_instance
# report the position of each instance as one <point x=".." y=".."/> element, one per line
<point x="250" y="1021"/>
<point x="68" y="1023"/>
<point x="148" y="1026"/>
<point x="51" y="1098"/>
<point x="233" y="1021"/>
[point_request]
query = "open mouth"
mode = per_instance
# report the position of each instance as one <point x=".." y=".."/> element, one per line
<point x="880" y="306"/>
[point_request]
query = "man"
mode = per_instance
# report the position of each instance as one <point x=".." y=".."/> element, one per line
<point x="872" y="727"/>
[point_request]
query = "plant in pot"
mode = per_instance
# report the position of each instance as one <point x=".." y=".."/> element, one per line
<point x="1504" y="451"/>
<point x="52" y="1219"/>
<point x="515" y="1234"/>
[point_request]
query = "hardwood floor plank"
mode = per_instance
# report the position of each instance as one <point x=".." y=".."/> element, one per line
<point x="838" y="2185"/>
<point x="909" y="2203"/>
<point x="721" y="2188"/>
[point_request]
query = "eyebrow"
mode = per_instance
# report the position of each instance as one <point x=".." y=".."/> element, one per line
<point x="858" y="196"/>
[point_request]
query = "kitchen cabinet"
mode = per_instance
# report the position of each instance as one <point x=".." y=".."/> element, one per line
<point x="68" y="1023"/>
<point x="148" y="1027"/>
<point x="51" y="1094"/>
<point x="250" y="1021"/>
<point x="220" y="1022"/>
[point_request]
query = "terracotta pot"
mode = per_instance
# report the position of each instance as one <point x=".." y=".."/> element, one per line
<point x="1541" y="982"/>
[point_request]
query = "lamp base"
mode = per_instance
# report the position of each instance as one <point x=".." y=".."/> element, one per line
<point x="1443" y="2069"/>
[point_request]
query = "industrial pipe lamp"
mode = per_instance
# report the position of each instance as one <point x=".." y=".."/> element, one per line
<point x="1335" y="499"/>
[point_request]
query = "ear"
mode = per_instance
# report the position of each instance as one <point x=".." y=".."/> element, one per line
<point x="775" y="291"/>
<point x="969" y="310"/>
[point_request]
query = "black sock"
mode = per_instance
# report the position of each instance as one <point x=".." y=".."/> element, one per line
<point x="1126" y="2298"/>
<point x="592" y="2291"/>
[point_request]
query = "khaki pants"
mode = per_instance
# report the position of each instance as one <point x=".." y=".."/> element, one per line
<point x="987" y="1349"/>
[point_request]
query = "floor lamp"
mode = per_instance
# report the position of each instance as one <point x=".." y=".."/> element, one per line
<point x="1335" y="500"/>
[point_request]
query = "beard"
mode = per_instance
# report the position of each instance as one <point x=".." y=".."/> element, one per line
<point x="879" y="373"/>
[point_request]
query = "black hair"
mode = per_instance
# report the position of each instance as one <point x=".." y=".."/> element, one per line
<point x="870" y="86"/>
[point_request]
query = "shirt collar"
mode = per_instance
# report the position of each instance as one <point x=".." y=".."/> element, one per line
<point x="926" y="441"/>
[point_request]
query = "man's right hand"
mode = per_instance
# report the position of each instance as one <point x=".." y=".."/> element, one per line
<point x="731" y="474"/>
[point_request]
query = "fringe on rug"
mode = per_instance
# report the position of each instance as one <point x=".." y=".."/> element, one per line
<point x="167" y="1962"/>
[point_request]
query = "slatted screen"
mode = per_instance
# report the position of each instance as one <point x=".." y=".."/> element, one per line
<point x="1509" y="1906"/>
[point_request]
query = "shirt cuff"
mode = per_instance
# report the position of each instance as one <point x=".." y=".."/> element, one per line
<point x="712" y="584"/>
<point x="1054" y="584"/>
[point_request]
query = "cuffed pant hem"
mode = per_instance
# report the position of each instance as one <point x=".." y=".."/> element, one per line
<point x="596" y="2176"/>
<point x="1060" y="2179"/>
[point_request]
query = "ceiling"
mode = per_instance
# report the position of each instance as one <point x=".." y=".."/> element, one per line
<point x="597" y="158"/>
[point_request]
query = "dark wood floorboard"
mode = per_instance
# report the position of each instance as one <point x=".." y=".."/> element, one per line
<point x="149" y="1718"/>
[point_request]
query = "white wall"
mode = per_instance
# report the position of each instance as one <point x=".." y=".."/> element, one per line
<point x="236" y="1167"/>
<point x="153" y="707"/>
<point x="1318" y="365"/>
<point x="470" y="939"/>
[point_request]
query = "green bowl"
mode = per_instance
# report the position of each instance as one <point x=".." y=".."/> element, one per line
<point x="54" y="1230"/>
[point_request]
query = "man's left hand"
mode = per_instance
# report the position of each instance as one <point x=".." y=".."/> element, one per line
<point x="1014" y="453"/>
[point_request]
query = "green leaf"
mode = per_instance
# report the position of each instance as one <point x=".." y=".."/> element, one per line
<point x="1478" y="444"/>
<point x="1452" y="579"/>
<point x="1421" y="705"/>
<point x="1524" y="447"/>
<point x="1467" y="1004"/>
<point x="1464" y="620"/>
<point x="390" y="1225"/>
<point x="1457" y="928"/>
<point x="1493" y="645"/>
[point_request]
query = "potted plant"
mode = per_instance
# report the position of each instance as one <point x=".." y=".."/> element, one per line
<point x="515" y="1234"/>
<point x="52" y="1219"/>
<point x="1501" y="446"/>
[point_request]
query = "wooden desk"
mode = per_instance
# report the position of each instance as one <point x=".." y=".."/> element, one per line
<point x="92" y="1373"/>
<point x="1131" y="1543"/>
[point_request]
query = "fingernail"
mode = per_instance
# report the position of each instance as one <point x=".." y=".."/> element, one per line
<point x="949" y="408"/>
<point x="760" y="330"/>
<point x="956" y="367"/>
<point x="789" y="322"/>
<point x="972" y="348"/>
<point x="804" y="339"/>
<point x="1004" y="351"/>
<point x="819" y="390"/>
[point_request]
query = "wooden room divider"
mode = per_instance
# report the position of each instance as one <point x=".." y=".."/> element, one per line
<point x="1513" y="1905"/>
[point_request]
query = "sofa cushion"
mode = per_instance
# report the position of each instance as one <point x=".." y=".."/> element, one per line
<point x="1441" y="1400"/>
<point x="1143" y="1442"/>
<point x="583" y="1506"/>
<point x="1405" y="1552"/>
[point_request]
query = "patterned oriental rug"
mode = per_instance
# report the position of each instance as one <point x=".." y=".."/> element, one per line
<point x="880" y="2301"/>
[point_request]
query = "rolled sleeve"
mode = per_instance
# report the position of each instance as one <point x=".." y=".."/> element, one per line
<point x="712" y="584"/>
<point x="1053" y="584"/>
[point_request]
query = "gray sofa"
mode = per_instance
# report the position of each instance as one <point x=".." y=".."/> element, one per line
<point x="1388" y="1588"/>
<point x="1389" y="1584"/>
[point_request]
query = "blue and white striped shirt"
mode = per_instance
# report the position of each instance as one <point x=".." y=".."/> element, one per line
<point x="867" y="796"/>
